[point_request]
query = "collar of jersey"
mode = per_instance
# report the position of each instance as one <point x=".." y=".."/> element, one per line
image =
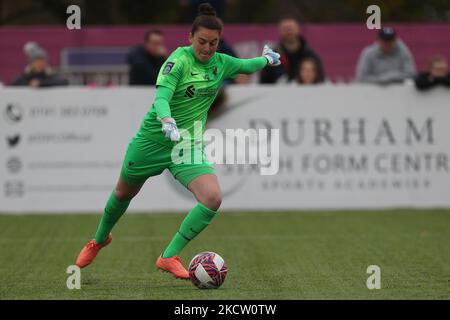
<point x="204" y="64"/>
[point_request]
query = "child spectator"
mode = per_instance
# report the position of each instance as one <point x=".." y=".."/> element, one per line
<point x="308" y="72"/>
<point x="38" y="72"/>
<point x="436" y="75"/>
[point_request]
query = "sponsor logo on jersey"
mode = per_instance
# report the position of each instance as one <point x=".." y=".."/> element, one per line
<point x="189" y="91"/>
<point x="207" y="92"/>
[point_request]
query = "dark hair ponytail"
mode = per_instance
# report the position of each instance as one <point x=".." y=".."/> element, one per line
<point x="207" y="18"/>
<point x="206" y="9"/>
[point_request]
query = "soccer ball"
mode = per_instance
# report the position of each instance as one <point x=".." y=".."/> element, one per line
<point x="207" y="270"/>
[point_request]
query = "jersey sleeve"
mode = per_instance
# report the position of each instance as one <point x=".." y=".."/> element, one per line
<point x="162" y="99"/>
<point x="170" y="73"/>
<point x="234" y="66"/>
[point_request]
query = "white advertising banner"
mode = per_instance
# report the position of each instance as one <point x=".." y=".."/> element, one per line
<point x="338" y="147"/>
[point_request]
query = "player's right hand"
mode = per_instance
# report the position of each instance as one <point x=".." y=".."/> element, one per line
<point x="272" y="57"/>
<point x="170" y="129"/>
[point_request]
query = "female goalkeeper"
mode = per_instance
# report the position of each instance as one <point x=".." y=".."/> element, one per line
<point x="187" y="85"/>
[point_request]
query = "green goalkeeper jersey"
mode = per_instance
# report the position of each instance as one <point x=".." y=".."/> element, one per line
<point x="195" y="85"/>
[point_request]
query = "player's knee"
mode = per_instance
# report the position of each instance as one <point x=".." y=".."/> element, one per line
<point x="124" y="196"/>
<point x="212" y="200"/>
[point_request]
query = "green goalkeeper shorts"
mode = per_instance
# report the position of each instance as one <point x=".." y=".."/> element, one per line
<point x="146" y="158"/>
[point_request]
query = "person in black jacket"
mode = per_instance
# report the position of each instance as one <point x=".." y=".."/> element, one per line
<point x="146" y="60"/>
<point x="38" y="72"/>
<point x="293" y="48"/>
<point x="437" y="74"/>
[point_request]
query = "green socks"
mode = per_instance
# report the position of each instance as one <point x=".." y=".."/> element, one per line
<point x="113" y="211"/>
<point x="194" y="223"/>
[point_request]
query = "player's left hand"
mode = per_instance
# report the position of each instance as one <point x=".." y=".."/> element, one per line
<point x="170" y="129"/>
<point x="272" y="57"/>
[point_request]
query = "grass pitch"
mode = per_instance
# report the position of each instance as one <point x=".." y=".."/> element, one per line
<point x="270" y="255"/>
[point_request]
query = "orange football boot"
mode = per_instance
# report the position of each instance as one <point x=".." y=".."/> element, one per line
<point x="172" y="265"/>
<point x="90" y="251"/>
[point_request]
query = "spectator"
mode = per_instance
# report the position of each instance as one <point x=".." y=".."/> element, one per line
<point x="308" y="72"/>
<point x="293" y="49"/>
<point x="38" y="72"/>
<point x="146" y="60"/>
<point x="438" y="74"/>
<point x="386" y="61"/>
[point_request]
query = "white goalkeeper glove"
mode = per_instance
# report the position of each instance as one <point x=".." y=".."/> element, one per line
<point x="272" y="57"/>
<point x="170" y="129"/>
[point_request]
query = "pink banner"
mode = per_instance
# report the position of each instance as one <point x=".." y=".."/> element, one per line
<point x="339" y="45"/>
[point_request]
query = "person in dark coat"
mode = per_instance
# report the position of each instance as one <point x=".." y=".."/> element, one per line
<point x="146" y="60"/>
<point x="293" y="49"/>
